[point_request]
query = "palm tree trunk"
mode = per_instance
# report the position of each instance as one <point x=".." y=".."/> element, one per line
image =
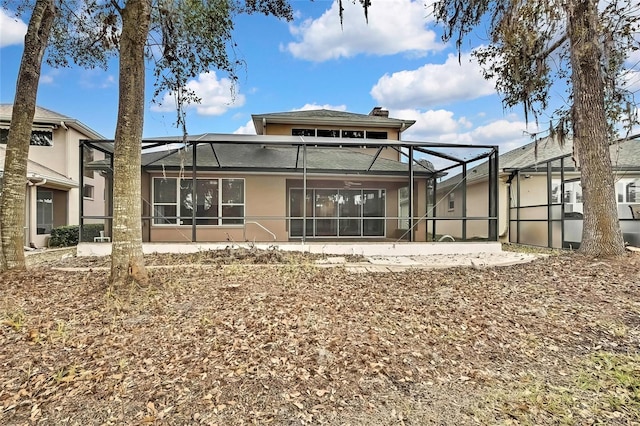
<point x="127" y="261"/>
<point x="12" y="204"/>
<point x="601" y="234"/>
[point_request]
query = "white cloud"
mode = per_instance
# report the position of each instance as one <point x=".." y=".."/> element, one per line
<point x="12" y="30"/>
<point x="433" y="84"/>
<point x="394" y="26"/>
<point x="442" y="126"/>
<point x="431" y="124"/>
<point x="94" y="79"/>
<point x="309" y="107"/>
<point x="508" y="134"/>
<point x="247" y="129"/>
<point x="46" y="79"/>
<point x="217" y="96"/>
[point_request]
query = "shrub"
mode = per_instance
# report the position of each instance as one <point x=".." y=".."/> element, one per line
<point x="66" y="236"/>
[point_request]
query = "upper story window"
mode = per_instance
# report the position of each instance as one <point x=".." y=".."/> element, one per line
<point x="87" y="191"/>
<point x="359" y="134"/>
<point x="38" y="137"/>
<point x="324" y="133"/>
<point x="303" y="132"/>
<point x="376" y="135"/>
<point x="338" y="133"/>
<point x="452" y="201"/>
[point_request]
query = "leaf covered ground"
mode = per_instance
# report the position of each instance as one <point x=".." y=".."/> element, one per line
<point x="246" y="341"/>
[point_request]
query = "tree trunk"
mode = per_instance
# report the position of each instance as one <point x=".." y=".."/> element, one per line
<point x="127" y="261"/>
<point x="601" y="234"/>
<point x="12" y="204"/>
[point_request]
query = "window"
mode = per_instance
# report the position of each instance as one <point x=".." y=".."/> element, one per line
<point x="403" y="207"/>
<point x="628" y="190"/>
<point x="87" y="157"/>
<point x="217" y="201"/>
<point x="44" y="211"/>
<point x="328" y="133"/>
<point x="572" y="192"/>
<point x="38" y="137"/>
<point x="358" y="134"/>
<point x="452" y="201"/>
<point x="337" y="212"/>
<point x="303" y="132"/>
<point x="555" y="192"/>
<point x="87" y="191"/>
<point x="632" y="193"/>
<point x="376" y="135"/>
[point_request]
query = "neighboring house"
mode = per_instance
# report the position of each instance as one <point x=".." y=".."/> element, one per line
<point x="53" y="170"/>
<point x="540" y="195"/>
<point x="321" y="175"/>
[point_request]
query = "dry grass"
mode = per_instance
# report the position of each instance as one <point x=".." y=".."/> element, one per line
<point x="551" y="342"/>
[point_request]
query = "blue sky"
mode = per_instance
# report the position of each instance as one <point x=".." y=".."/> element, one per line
<point x="396" y="61"/>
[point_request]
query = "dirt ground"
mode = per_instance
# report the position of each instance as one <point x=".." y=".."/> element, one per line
<point x="270" y="338"/>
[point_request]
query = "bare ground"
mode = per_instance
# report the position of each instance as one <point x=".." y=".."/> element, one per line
<point x="271" y="338"/>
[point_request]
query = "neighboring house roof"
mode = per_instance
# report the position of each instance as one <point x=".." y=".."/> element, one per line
<point x="329" y="117"/>
<point x="37" y="172"/>
<point x="48" y="118"/>
<point x="625" y="155"/>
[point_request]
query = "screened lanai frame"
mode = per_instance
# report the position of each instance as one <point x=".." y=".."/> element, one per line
<point x="563" y="227"/>
<point x="411" y="153"/>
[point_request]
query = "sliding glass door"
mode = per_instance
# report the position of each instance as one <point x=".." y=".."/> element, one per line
<point x="338" y="212"/>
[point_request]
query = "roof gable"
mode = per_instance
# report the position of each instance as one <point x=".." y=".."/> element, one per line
<point x="328" y="117"/>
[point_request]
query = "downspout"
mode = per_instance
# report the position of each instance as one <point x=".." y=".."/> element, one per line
<point x="67" y="164"/>
<point x="66" y="148"/>
<point x="505" y="232"/>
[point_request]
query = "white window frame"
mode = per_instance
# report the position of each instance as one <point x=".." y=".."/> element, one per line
<point x="572" y="195"/>
<point x="220" y="218"/>
<point x="622" y="188"/>
<point x="91" y="190"/>
<point x="41" y="220"/>
<point x="451" y="201"/>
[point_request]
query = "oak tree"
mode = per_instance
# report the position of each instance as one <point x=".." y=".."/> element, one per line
<point x="13" y="198"/>
<point x="582" y="44"/>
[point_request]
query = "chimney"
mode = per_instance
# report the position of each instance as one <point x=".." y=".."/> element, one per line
<point x="379" y="112"/>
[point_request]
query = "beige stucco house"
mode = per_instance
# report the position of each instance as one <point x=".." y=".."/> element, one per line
<point x="540" y="196"/>
<point x="54" y="193"/>
<point x="307" y="175"/>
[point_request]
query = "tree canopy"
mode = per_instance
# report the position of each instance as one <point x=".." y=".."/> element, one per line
<point x="529" y="54"/>
<point x="579" y="43"/>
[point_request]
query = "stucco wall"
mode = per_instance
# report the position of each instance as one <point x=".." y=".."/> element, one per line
<point x="477" y="205"/>
<point x="266" y="202"/>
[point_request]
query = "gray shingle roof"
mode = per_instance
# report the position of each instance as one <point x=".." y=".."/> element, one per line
<point x="276" y="158"/>
<point x="625" y="155"/>
<point x="47" y="116"/>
